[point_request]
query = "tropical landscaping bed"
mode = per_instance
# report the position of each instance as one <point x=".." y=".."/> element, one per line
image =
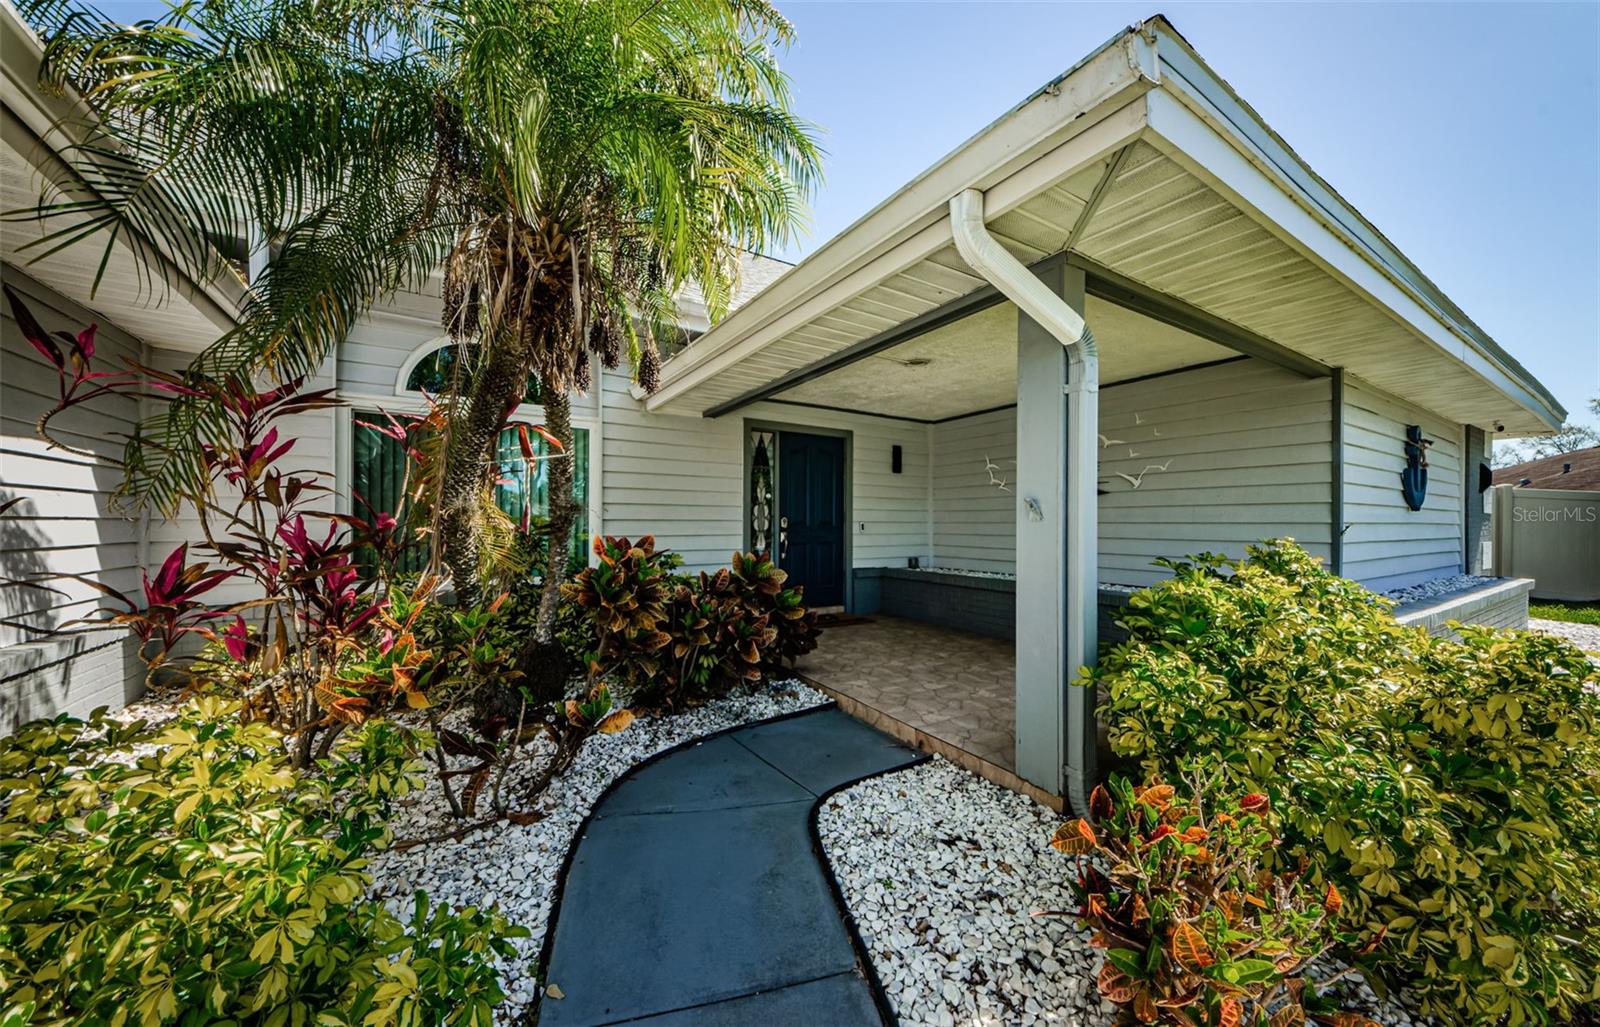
<point x="515" y="864"/>
<point x="944" y="873"/>
<point x="1331" y="803"/>
<point x="387" y="737"/>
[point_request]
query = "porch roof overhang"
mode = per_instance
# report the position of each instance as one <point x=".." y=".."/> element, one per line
<point x="1142" y="166"/>
<point x="142" y="289"/>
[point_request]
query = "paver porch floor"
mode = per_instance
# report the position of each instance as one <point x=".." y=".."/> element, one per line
<point x="958" y="687"/>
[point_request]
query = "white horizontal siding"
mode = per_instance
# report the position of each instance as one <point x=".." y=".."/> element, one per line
<point x="64" y="524"/>
<point x="974" y="518"/>
<point x="681" y="479"/>
<point x="312" y="457"/>
<point x="1387" y="544"/>
<point x="1223" y="455"/>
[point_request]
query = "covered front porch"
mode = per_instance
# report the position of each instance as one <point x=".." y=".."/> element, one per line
<point x="917" y="424"/>
<point x="942" y="689"/>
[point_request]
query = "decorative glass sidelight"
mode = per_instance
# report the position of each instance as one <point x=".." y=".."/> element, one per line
<point x="761" y="490"/>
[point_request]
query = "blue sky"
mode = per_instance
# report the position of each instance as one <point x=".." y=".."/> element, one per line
<point x="1469" y="134"/>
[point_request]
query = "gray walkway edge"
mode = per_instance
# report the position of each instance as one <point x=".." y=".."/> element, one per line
<point x="697" y="890"/>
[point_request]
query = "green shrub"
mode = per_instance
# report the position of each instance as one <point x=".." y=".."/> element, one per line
<point x="1198" y="930"/>
<point x="718" y="638"/>
<point x="1451" y="789"/>
<point x="624" y="598"/>
<point x="206" y="881"/>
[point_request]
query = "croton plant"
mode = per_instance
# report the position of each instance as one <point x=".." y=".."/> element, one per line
<point x="675" y="639"/>
<point x="1197" y="930"/>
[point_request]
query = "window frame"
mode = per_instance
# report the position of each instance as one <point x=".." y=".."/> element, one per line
<point x="360" y="403"/>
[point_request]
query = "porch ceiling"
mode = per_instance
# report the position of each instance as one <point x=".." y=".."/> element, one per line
<point x="1167" y="182"/>
<point x="971" y="364"/>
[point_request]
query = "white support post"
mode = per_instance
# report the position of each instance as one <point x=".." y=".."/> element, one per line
<point x="1052" y="638"/>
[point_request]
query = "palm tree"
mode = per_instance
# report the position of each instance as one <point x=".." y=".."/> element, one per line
<point x="568" y="163"/>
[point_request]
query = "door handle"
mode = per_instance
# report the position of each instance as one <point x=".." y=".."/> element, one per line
<point x="783" y="538"/>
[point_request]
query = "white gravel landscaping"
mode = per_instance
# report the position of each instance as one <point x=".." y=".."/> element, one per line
<point x="941" y="870"/>
<point x="1584" y="636"/>
<point x="516" y="865"/>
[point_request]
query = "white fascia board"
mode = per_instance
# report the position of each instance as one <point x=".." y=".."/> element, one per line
<point x="1096" y="99"/>
<point x="1196" y="119"/>
<point x="50" y="117"/>
<point x="1195" y="143"/>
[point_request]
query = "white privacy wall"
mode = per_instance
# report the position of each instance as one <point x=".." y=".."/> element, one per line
<point x="63" y="524"/>
<point x="1387" y="544"/>
<point x="1208" y="459"/>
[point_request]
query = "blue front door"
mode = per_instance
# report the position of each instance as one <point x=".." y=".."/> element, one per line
<point x="811" y="515"/>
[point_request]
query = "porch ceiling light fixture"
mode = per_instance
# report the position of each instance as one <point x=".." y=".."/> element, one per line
<point x="984" y="254"/>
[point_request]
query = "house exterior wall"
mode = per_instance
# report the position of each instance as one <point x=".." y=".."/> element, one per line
<point x="63" y="524"/>
<point x="1476" y="502"/>
<point x="682" y="478"/>
<point x="679" y="478"/>
<point x="1223" y="456"/>
<point x="1226" y="455"/>
<point x="974" y="518"/>
<point x="1387" y="545"/>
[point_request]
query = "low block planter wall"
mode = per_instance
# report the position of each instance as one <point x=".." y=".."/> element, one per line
<point x="987" y="605"/>
<point x="1500" y="604"/>
<point x="967" y="602"/>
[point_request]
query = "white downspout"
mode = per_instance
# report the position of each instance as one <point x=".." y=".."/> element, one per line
<point x="984" y="254"/>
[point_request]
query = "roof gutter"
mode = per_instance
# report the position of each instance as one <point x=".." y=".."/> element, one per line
<point x="984" y="254"/>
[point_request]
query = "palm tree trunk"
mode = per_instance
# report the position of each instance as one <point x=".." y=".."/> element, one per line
<point x="563" y="513"/>
<point x="544" y="663"/>
<point x="499" y="386"/>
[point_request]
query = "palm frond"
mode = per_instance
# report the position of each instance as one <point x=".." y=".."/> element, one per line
<point x="571" y="163"/>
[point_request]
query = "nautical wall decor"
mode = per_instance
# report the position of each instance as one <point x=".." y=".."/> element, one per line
<point x="1414" y="479"/>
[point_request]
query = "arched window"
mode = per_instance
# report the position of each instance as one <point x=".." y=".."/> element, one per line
<point x="378" y="468"/>
<point x="431" y="369"/>
<point x="378" y="462"/>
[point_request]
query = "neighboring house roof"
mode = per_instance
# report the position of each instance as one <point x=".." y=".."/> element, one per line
<point x="152" y="300"/>
<point x="1579" y="469"/>
<point x="1145" y="167"/>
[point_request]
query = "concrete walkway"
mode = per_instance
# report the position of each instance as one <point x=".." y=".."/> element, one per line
<point x="696" y="895"/>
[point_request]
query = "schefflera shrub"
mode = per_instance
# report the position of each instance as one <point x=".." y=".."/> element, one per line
<point x="1197" y="927"/>
<point x="1450" y="789"/>
<point x="200" y="879"/>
